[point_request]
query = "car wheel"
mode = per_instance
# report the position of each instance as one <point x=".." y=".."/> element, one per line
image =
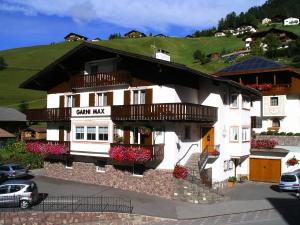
<point x="24" y="204"/>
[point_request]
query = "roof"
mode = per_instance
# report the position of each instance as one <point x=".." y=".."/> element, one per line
<point x="255" y="64"/>
<point x="272" y="30"/>
<point x="36" y="81"/>
<point x="78" y="35"/>
<point x="135" y="31"/>
<point x="160" y="35"/>
<point x="6" y="134"/>
<point x="10" y="114"/>
<point x="37" y="129"/>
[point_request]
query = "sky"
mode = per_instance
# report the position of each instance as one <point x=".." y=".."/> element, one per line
<point x="36" y="22"/>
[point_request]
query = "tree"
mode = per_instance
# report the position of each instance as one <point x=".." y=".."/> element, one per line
<point x="2" y="63"/>
<point x="23" y="106"/>
<point x="256" y="48"/>
<point x="115" y="36"/>
<point x="200" y="57"/>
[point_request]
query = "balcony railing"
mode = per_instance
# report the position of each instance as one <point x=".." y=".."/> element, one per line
<point x="100" y="79"/>
<point x="50" y="114"/>
<point x="157" y="153"/>
<point x="269" y="88"/>
<point x="165" y="111"/>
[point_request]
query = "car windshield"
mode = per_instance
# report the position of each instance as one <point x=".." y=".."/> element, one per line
<point x="4" y="168"/>
<point x="17" y="167"/>
<point x="288" y="178"/>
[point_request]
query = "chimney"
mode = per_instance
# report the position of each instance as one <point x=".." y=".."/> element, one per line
<point x="162" y="55"/>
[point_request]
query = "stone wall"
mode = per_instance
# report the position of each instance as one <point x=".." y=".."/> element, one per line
<point x="282" y="140"/>
<point x="59" y="218"/>
<point x="153" y="182"/>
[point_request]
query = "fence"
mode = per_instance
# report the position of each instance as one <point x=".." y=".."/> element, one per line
<point x="69" y="204"/>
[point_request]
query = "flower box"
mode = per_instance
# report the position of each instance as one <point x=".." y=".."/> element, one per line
<point x="180" y="172"/>
<point x="46" y="148"/>
<point x="263" y="143"/>
<point x="130" y="154"/>
<point x="214" y="153"/>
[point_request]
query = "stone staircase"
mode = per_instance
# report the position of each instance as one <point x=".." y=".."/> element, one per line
<point x="191" y="189"/>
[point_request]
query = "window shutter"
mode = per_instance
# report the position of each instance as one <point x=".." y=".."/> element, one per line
<point x="61" y="101"/>
<point x="149" y="97"/>
<point x="92" y="99"/>
<point x="110" y="98"/>
<point x="148" y="139"/>
<point x="127" y="97"/>
<point x="77" y="100"/>
<point x="61" y="136"/>
<point x="126" y="135"/>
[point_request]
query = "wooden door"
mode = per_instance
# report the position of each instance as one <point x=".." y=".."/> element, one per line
<point x="61" y="101"/>
<point x="208" y="138"/>
<point x="265" y="170"/>
<point x="148" y="139"/>
<point x="61" y="134"/>
<point x="126" y="135"/>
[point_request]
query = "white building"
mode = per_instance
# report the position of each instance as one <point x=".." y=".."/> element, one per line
<point x="291" y="21"/>
<point x="99" y="98"/>
<point x="244" y="29"/>
<point x="220" y="34"/>
<point x="279" y="110"/>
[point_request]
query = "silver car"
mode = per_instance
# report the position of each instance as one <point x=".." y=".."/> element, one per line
<point x="290" y="181"/>
<point x="13" y="170"/>
<point x="23" y="193"/>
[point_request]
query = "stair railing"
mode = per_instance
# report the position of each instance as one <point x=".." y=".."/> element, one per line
<point x="186" y="153"/>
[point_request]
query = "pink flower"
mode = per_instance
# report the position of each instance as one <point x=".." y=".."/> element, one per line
<point x="264" y="143"/>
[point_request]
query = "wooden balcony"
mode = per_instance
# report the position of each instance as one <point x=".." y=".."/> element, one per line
<point x="157" y="153"/>
<point x="50" y="114"/>
<point x="164" y="111"/>
<point x="100" y="79"/>
<point x="277" y="89"/>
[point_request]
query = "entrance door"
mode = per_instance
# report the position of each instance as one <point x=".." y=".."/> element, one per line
<point x="208" y="138"/>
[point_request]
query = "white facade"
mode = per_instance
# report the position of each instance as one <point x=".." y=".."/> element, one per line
<point x="266" y="21"/>
<point x="220" y="34"/>
<point x="291" y="21"/>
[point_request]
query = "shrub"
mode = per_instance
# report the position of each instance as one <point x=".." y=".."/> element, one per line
<point x="263" y="143"/>
<point x="289" y="134"/>
<point x="45" y="148"/>
<point x="282" y="133"/>
<point x="297" y="134"/>
<point x="232" y="179"/>
<point x="180" y="172"/>
<point x="263" y="133"/>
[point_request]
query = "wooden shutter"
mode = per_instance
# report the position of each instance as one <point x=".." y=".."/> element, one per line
<point x="148" y="139"/>
<point x="77" y="100"/>
<point x="149" y="95"/>
<point x="110" y="98"/>
<point x="61" y="101"/>
<point x="61" y="136"/>
<point x="126" y="135"/>
<point x="127" y="97"/>
<point x="92" y="99"/>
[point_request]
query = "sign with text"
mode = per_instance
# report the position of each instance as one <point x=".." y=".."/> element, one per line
<point x="91" y="111"/>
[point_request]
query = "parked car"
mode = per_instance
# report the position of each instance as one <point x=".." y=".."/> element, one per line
<point x="14" y="170"/>
<point x="3" y="177"/>
<point x="23" y="193"/>
<point x="290" y="181"/>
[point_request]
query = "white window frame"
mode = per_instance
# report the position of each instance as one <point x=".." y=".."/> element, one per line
<point x="139" y="100"/>
<point x="79" y="133"/>
<point x="102" y="100"/>
<point x="95" y="133"/>
<point x="100" y="169"/>
<point x="231" y="139"/>
<point x="69" y="167"/>
<point x="67" y="101"/>
<point x="246" y="134"/>
<point x="98" y="133"/>
<point x="234" y="106"/>
<point x="271" y="102"/>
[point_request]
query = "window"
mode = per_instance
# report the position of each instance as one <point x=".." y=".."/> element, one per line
<point x="70" y="101"/>
<point x="234" y="103"/>
<point x="139" y="97"/>
<point x="79" y="133"/>
<point x="103" y="133"/>
<point x="234" y="134"/>
<point x="69" y="164"/>
<point x="100" y="166"/>
<point x="273" y="101"/>
<point x="4" y="168"/>
<point x="246" y="102"/>
<point x="187" y="132"/>
<point x="4" y="189"/>
<point x="276" y="122"/>
<point x="102" y="99"/>
<point x="245" y="134"/>
<point x="15" y="188"/>
<point x="94" y="69"/>
<point x="91" y="133"/>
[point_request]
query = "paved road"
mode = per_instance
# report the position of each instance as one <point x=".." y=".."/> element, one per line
<point x="251" y="203"/>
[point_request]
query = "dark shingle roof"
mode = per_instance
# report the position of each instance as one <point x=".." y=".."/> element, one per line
<point x="10" y="114"/>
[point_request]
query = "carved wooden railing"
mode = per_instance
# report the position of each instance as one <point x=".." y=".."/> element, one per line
<point x="50" y="114"/>
<point x="100" y="79"/>
<point x="164" y="111"/>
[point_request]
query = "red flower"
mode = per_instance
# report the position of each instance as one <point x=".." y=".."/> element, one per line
<point x="130" y="154"/>
<point x="292" y="161"/>
<point x="46" y="148"/>
<point x="180" y="172"/>
<point x="264" y="143"/>
<point x="214" y="152"/>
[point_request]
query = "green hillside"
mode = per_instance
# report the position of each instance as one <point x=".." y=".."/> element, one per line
<point x="24" y="62"/>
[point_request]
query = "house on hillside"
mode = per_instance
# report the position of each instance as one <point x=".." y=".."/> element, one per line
<point x="160" y="35"/>
<point x="134" y="34"/>
<point x="278" y="19"/>
<point x="291" y="21"/>
<point x="96" y="39"/>
<point x="75" y="37"/>
<point x="266" y="21"/>
<point x="34" y="133"/>
<point x="244" y="29"/>
<point x="129" y="119"/>
<point x="220" y="34"/>
<point x="189" y="36"/>
<point x="285" y="38"/>
<point x="6" y="137"/>
<point x="279" y="109"/>
<point x="12" y="120"/>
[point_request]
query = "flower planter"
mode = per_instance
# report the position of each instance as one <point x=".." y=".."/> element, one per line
<point x="130" y="154"/>
<point x="180" y="172"/>
<point x="292" y="161"/>
<point x="230" y="184"/>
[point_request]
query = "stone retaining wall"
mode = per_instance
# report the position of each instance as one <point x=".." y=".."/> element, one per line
<point x="282" y="140"/>
<point x="153" y="182"/>
<point x="59" y="218"/>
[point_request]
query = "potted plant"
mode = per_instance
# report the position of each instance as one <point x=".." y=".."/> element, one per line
<point x="145" y="131"/>
<point x="292" y="161"/>
<point x="118" y="139"/>
<point x="180" y="172"/>
<point x="231" y="181"/>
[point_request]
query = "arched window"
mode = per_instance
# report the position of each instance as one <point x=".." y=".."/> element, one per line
<point x="276" y="122"/>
